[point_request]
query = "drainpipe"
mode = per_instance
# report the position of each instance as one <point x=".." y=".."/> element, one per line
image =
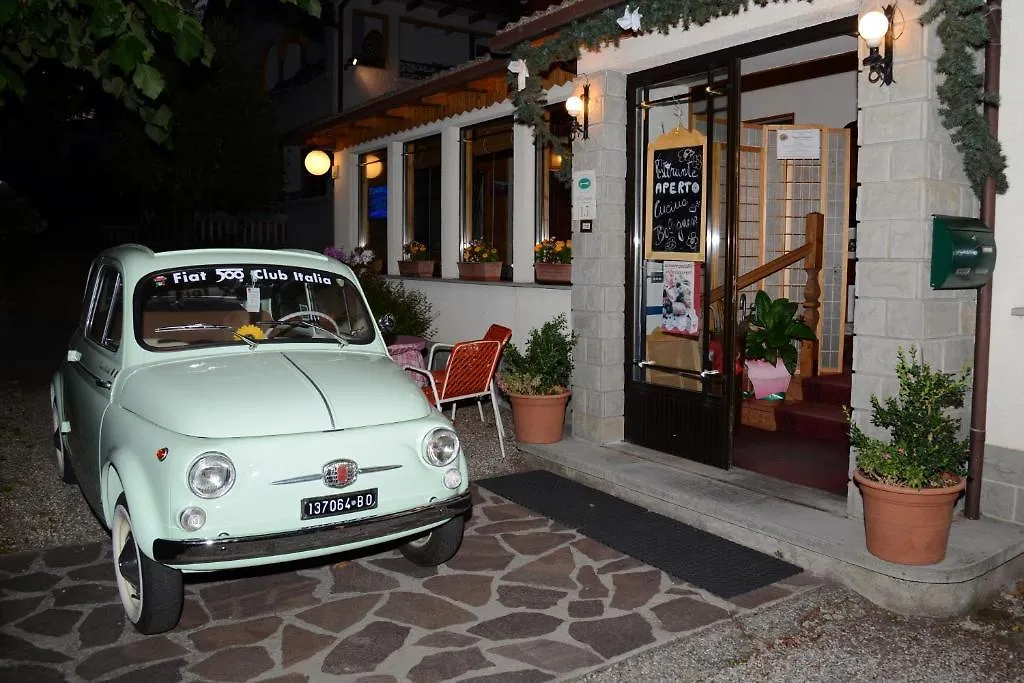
<point x="983" y="321"/>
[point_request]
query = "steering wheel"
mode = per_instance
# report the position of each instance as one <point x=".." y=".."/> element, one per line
<point x="297" y="314"/>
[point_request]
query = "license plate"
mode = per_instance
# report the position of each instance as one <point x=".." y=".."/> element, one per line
<point x="341" y="504"/>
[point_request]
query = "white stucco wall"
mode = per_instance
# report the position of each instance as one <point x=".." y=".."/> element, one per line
<point x="466" y="309"/>
<point x="1006" y="400"/>
<point x="830" y="100"/>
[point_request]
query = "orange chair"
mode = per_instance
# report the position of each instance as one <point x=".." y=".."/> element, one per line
<point x="495" y="332"/>
<point x="469" y="373"/>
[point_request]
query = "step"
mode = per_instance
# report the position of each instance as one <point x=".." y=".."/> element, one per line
<point x="812" y="420"/>
<point x="832" y="389"/>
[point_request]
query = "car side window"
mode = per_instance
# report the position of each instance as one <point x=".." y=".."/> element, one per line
<point x="105" y="320"/>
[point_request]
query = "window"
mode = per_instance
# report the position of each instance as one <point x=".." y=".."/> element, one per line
<point x="104" y="323"/>
<point x="554" y="196"/>
<point x="373" y="197"/>
<point x="423" y="193"/>
<point x="487" y="186"/>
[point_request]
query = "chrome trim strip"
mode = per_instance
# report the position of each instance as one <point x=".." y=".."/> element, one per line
<point x="323" y="397"/>
<point x="314" y="477"/>
<point x="323" y="537"/>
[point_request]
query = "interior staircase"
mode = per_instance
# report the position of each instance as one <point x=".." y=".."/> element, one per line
<point x="819" y="415"/>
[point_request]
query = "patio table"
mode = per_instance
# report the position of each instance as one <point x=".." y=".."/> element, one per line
<point x="407" y="350"/>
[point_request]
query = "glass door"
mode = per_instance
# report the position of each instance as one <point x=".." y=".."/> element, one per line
<point x="681" y="191"/>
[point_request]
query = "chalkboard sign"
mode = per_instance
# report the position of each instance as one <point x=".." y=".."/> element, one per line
<point x="676" y="216"/>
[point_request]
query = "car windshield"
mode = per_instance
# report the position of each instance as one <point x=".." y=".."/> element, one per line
<point x="248" y="305"/>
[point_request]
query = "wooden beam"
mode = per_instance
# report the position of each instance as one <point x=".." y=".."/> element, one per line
<point x="439" y="99"/>
<point x="446" y="10"/>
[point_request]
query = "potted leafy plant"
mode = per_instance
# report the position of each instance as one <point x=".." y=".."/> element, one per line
<point x="480" y="261"/>
<point x="772" y="328"/>
<point x="553" y="261"/>
<point x="911" y="482"/>
<point x="417" y="262"/>
<point x="537" y="381"/>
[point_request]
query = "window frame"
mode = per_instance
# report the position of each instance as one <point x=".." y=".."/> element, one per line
<point x="116" y="301"/>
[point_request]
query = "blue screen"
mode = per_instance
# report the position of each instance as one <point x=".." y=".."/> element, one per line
<point x="378" y="202"/>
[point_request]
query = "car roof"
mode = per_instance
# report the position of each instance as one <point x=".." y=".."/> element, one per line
<point x="138" y="260"/>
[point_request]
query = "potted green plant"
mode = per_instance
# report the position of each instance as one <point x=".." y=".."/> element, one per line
<point x="553" y="261"/>
<point x="771" y="330"/>
<point x="537" y="381"/>
<point x="480" y="261"/>
<point x="417" y="261"/>
<point x="911" y="482"/>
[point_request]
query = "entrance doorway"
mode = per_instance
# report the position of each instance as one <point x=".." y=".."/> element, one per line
<point x="773" y="215"/>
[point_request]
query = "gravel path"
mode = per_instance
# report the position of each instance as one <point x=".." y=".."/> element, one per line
<point x="38" y="511"/>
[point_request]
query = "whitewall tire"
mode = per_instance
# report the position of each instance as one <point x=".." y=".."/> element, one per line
<point x="64" y="470"/>
<point x="151" y="594"/>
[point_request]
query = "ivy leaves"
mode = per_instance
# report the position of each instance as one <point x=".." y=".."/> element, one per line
<point x="120" y="43"/>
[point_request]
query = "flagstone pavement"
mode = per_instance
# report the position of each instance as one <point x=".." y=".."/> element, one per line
<point x="525" y="599"/>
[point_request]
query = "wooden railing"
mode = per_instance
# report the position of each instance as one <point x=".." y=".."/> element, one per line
<point x="811" y="253"/>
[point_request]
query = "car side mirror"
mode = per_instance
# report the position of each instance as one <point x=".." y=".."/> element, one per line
<point x="387" y="323"/>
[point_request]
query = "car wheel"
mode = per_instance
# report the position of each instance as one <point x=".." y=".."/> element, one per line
<point x="64" y="471"/>
<point x="438" y="545"/>
<point x="151" y="594"/>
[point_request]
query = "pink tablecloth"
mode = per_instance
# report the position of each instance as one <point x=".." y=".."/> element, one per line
<point x="409" y="351"/>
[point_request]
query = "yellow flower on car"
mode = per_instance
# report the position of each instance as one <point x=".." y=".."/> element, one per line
<point x="252" y="332"/>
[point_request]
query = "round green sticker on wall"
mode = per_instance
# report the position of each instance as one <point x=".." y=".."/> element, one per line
<point x="584" y="183"/>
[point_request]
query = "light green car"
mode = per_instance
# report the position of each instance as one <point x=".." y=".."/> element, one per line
<point x="226" y="408"/>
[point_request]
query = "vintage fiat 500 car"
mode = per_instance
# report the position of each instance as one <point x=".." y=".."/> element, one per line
<point x="228" y="408"/>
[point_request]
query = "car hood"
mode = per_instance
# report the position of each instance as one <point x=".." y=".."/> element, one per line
<point x="264" y="393"/>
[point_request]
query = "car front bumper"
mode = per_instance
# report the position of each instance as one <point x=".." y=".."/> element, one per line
<point x="303" y="540"/>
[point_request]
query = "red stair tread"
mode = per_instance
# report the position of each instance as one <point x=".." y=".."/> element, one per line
<point x="811" y="420"/>
<point x="833" y="389"/>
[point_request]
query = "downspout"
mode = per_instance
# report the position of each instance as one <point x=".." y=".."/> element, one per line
<point x="983" y="320"/>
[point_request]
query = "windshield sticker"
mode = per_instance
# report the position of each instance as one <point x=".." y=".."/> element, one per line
<point x="252" y="299"/>
<point x="236" y="274"/>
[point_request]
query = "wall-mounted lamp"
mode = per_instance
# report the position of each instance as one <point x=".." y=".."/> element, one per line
<point x="875" y="28"/>
<point x="555" y="162"/>
<point x="372" y="166"/>
<point x="351" y="62"/>
<point x="576" y="106"/>
<point x="318" y="162"/>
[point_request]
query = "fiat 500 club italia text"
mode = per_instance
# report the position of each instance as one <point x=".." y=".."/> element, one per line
<point x="229" y="408"/>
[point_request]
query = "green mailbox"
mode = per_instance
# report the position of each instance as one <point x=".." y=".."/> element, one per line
<point x="963" y="252"/>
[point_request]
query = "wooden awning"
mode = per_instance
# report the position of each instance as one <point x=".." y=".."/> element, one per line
<point x="470" y="86"/>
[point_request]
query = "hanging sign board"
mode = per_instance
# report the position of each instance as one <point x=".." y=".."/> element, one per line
<point x="676" y="219"/>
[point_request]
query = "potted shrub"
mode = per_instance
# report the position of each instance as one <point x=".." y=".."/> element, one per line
<point x="771" y="330"/>
<point x="480" y="261"/>
<point x="911" y="482"/>
<point x="537" y="382"/>
<point x="417" y="262"/>
<point x="553" y="261"/>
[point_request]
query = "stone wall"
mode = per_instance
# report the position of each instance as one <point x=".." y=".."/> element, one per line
<point x="908" y="169"/>
<point x="599" y="268"/>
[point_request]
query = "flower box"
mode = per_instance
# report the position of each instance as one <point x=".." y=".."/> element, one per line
<point x="489" y="271"/>
<point x="416" y="268"/>
<point x="553" y="273"/>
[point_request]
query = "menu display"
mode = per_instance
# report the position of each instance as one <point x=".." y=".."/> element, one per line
<point x="675" y="210"/>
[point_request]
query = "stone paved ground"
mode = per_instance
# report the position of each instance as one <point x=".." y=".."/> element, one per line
<point x="525" y="599"/>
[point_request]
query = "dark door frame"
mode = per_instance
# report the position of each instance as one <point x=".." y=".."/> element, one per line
<point x="710" y="416"/>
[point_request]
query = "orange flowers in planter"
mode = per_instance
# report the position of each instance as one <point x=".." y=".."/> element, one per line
<point x="553" y="251"/>
<point x="480" y="251"/>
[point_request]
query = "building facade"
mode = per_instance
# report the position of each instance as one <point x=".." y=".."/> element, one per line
<point x="791" y="127"/>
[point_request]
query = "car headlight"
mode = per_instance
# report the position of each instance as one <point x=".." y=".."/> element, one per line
<point x="440" y="447"/>
<point x="211" y="475"/>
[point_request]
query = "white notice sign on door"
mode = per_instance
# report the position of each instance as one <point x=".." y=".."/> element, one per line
<point x="799" y="143"/>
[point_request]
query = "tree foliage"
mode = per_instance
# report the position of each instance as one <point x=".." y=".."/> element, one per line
<point x="118" y="43"/>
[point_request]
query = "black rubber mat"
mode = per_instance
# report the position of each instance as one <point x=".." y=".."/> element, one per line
<point x="718" y="566"/>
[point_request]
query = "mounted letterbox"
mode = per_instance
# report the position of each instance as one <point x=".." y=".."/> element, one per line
<point x="963" y="253"/>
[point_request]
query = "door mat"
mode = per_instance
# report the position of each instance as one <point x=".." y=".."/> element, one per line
<point x="715" y="564"/>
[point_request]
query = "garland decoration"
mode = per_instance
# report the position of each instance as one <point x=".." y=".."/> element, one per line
<point x="963" y="29"/>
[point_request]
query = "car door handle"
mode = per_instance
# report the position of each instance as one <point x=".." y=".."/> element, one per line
<point x="104" y="383"/>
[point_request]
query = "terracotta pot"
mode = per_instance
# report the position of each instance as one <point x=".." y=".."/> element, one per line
<point x="539" y="419"/>
<point x="768" y="379"/>
<point x="904" y="525"/>
<point x="488" y="272"/>
<point x="553" y="273"/>
<point x="416" y="268"/>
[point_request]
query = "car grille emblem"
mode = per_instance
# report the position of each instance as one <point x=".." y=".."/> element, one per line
<point x="340" y="473"/>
